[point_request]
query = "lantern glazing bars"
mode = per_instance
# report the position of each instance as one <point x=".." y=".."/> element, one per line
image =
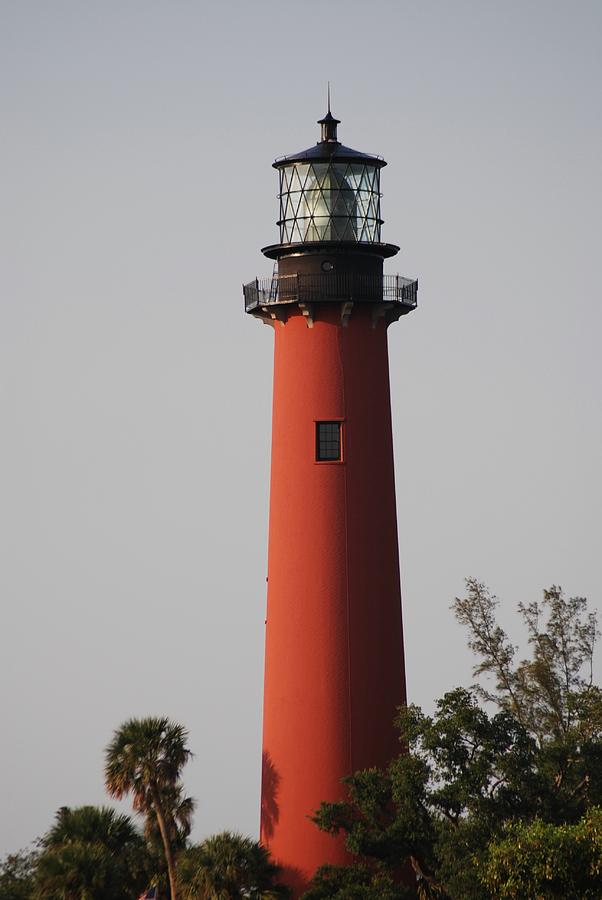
<point x="330" y="201"/>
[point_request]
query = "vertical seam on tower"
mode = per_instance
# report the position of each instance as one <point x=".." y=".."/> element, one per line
<point x="342" y="367"/>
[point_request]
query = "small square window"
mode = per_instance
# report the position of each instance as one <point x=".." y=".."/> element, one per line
<point x="328" y="441"/>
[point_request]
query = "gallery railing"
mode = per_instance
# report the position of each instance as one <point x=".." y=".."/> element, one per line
<point x="331" y="286"/>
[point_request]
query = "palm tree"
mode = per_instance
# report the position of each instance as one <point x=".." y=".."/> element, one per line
<point x="228" y="866"/>
<point x="145" y="758"/>
<point x="92" y="825"/>
<point x="91" y="853"/>
<point x="179" y="819"/>
<point x="17" y="872"/>
<point x="76" y="871"/>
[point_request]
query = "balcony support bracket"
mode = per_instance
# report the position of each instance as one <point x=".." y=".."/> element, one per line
<point x="346" y="308"/>
<point x="379" y="311"/>
<point x="308" y="312"/>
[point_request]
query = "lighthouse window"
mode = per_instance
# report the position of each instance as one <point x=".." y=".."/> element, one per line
<point x="330" y="201"/>
<point x="328" y="441"/>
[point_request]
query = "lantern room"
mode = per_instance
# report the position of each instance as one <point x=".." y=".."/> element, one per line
<point x="330" y="247"/>
<point x="329" y="192"/>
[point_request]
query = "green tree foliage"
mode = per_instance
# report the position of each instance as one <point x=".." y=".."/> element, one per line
<point x="146" y="758"/>
<point x="17" y="874"/>
<point x="466" y="775"/>
<point x="79" y="871"/>
<point x="91" y="853"/>
<point x="226" y="867"/>
<point x="93" y="825"/>
<point x="437" y="804"/>
<point x="542" y="692"/>
<point x="357" y="882"/>
<point x="540" y="860"/>
<point x="551" y="694"/>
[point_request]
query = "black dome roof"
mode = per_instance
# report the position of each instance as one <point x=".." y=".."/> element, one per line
<point x="329" y="148"/>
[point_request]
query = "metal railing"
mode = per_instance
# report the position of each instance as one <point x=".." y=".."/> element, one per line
<point x="330" y="286"/>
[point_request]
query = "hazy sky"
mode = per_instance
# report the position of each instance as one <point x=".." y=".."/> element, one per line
<point x="137" y="191"/>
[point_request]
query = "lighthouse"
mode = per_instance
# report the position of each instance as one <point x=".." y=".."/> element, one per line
<point x="334" y="660"/>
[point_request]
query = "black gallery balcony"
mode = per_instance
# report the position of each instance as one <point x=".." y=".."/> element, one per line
<point x="332" y="287"/>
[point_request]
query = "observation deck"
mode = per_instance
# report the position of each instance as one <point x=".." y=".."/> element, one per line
<point x="390" y="292"/>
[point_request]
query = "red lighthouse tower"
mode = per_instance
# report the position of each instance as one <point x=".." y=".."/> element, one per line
<point x="334" y="667"/>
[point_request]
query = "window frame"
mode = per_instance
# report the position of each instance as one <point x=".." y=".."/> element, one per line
<point x="332" y="420"/>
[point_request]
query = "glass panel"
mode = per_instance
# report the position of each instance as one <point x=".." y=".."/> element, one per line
<point x="349" y="202"/>
<point x="302" y="172"/>
<point x="366" y="182"/>
<point x="319" y="172"/>
<point x="318" y="229"/>
<point x="337" y="229"/>
<point x="346" y="228"/>
<point x="283" y="181"/>
<point x="328" y="441"/>
<point x="289" y="209"/>
<point x="355" y="175"/>
<point x="294" y="180"/>
<point x="313" y="201"/>
<point x="329" y="201"/>
<point x="339" y="177"/>
<point x="298" y="205"/>
<point x="348" y="179"/>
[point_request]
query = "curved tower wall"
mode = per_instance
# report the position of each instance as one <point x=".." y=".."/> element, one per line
<point x="334" y="669"/>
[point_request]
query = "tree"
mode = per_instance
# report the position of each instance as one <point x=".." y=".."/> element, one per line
<point x="228" y="866"/>
<point x="17" y="874"/>
<point x="551" y="694"/>
<point x="91" y="853"/>
<point x="357" y="882"/>
<point x="146" y="758"/>
<point x="93" y="825"/>
<point x="541" y="692"/>
<point x="437" y="804"/>
<point x="465" y="775"/>
<point x="546" y="861"/>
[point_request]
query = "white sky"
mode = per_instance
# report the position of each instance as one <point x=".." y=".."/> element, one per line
<point x="137" y="190"/>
